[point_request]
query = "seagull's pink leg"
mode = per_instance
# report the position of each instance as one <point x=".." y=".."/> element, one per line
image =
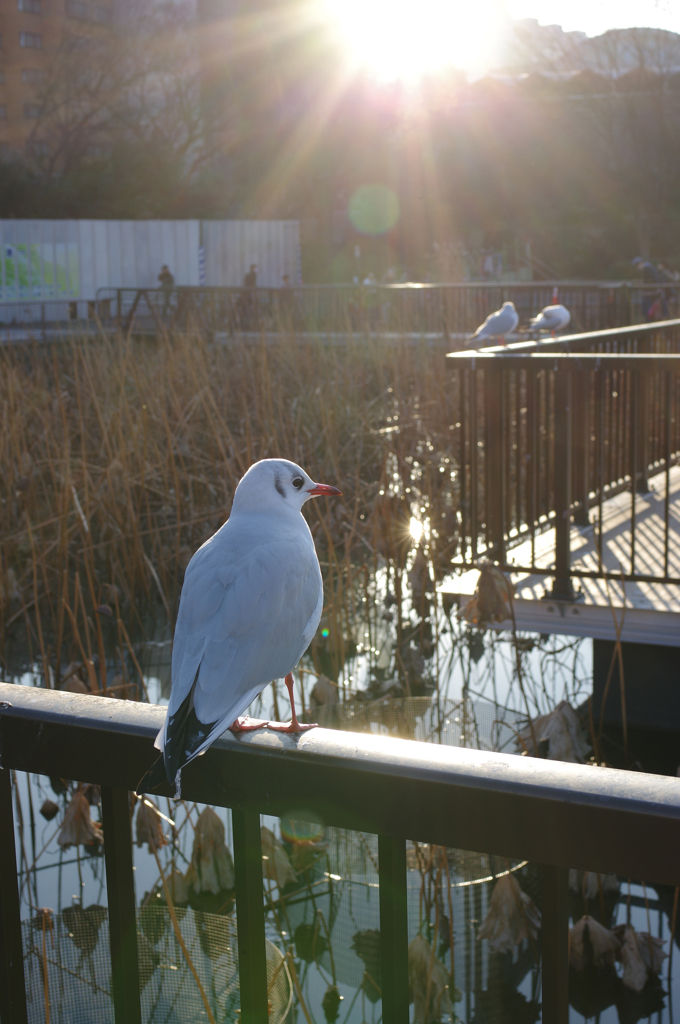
<point x="293" y="725"/>
<point x="244" y="723"/>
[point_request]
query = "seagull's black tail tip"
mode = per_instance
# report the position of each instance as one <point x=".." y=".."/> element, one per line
<point x="154" y="778"/>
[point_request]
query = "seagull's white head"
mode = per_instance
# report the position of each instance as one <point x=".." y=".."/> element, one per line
<point x="271" y="484"/>
<point x="508" y="305"/>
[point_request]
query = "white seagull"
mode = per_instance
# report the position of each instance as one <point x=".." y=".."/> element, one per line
<point x="249" y="608"/>
<point x="551" y="318"/>
<point x="502" y="322"/>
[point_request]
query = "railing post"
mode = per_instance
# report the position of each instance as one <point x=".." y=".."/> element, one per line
<point x="562" y="586"/>
<point x="493" y="460"/>
<point x="120" y="887"/>
<point x="555" y="944"/>
<point x="581" y="427"/>
<point x="642" y="430"/>
<point x="252" y="957"/>
<point x="12" y="984"/>
<point x="393" y="930"/>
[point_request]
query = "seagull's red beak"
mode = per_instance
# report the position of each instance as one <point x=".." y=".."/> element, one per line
<point x="323" y="489"/>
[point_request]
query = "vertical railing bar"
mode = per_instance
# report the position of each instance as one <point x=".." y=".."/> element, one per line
<point x="600" y="391"/>
<point x="393" y="930"/>
<point x="532" y="385"/>
<point x="462" y="378"/>
<point x="477" y="898"/>
<point x="252" y="956"/>
<point x="666" y="505"/>
<point x="12" y="984"/>
<point x="120" y="887"/>
<point x="505" y="503"/>
<point x="555" y="944"/>
<point x="518" y="450"/>
<point x="608" y="437"/>
<point x="522" y="448"/>
<point x="494" y="458"/>
<point x="472" y="433"/>
<point x="620" y="448"/>
<point x="562" y="476"/>
<point x="633" y="389"/>
<point x="467" y="912"/>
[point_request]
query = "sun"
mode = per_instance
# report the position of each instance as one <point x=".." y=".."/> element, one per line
<point x="410" y="38"/>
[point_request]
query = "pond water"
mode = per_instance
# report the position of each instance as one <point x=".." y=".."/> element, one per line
<point x="323" y="919"/>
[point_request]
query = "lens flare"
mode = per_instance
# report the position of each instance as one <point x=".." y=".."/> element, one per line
<point x="416" y="529"/>
<point x="295" y="831"/>
<point x="373" y="209"/>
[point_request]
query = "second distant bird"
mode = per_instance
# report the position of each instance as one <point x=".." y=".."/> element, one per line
<point x="551" y="318"/>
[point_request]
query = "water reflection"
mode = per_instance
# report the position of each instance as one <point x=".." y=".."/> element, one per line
<point x="404" y="665"/>
<point x="323" y="937"/>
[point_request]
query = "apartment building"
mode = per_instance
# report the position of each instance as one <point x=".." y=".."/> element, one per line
<point x="31" y="33"/>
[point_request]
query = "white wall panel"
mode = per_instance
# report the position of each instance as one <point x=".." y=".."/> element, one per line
<point x="231" y="246"/>
<point x="62" y="259"/>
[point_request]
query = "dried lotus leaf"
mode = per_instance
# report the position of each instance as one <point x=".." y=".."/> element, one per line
<point x="591" y="943"/>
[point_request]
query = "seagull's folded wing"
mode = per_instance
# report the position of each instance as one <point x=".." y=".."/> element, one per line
<point x="241" y="624"/>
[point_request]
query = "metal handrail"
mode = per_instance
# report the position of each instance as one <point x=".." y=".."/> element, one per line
<point x="568" y="341"/>
<point x="559" y="815"/>
<point x="547" y="430"/>
<point x="452" y="311"/>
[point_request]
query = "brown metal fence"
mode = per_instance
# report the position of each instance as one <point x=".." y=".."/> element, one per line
<point x="545" y="432"/>
<point x="454" y="310"/>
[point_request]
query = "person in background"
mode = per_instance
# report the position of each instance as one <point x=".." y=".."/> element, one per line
<point x="670" y="295"/>
<point x="167" y="284"/>
<point x="247" y="301"/>
<point x="653" y="300"/>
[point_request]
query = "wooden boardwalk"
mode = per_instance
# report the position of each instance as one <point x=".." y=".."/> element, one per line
<point x="643" y="612"/>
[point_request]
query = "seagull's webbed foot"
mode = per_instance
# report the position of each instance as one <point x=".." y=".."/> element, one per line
<point x="293" y="726"/>
<point x="244" y="723"/>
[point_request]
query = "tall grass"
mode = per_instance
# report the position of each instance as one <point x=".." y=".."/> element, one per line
<point x="120" y="456"/>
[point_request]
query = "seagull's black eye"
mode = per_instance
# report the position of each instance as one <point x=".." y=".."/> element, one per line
<point x="298" y="482"/>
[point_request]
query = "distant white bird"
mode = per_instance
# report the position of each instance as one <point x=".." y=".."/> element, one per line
<point x="250" y="605"/>
<point x="551" y="318"/>
<point x="498" y="324"/>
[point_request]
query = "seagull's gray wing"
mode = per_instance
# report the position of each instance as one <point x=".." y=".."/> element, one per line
<point x="551" y="318"/>
<point x="503" y="321"/>
<point x="248" y="611"/>
<point x="486" y="329"/>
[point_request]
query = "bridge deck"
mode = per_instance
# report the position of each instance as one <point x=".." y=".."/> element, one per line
<point x="644" y="612"/>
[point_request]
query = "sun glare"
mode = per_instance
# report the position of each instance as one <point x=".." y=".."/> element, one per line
<point x="409" y="38"/>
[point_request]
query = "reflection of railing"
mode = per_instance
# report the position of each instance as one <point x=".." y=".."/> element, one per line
<point x="558" y="815"/>
<point x="449" y="310"/>
<point x="545" y="431"/>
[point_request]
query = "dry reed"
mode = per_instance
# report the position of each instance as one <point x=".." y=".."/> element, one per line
<point x="120" y="457"/>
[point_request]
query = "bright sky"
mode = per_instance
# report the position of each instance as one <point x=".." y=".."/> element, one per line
<point x="404" y="38"/>
<point x="596" y="16"/>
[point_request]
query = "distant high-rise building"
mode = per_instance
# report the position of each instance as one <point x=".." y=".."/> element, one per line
<point x="31" y="35"/>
